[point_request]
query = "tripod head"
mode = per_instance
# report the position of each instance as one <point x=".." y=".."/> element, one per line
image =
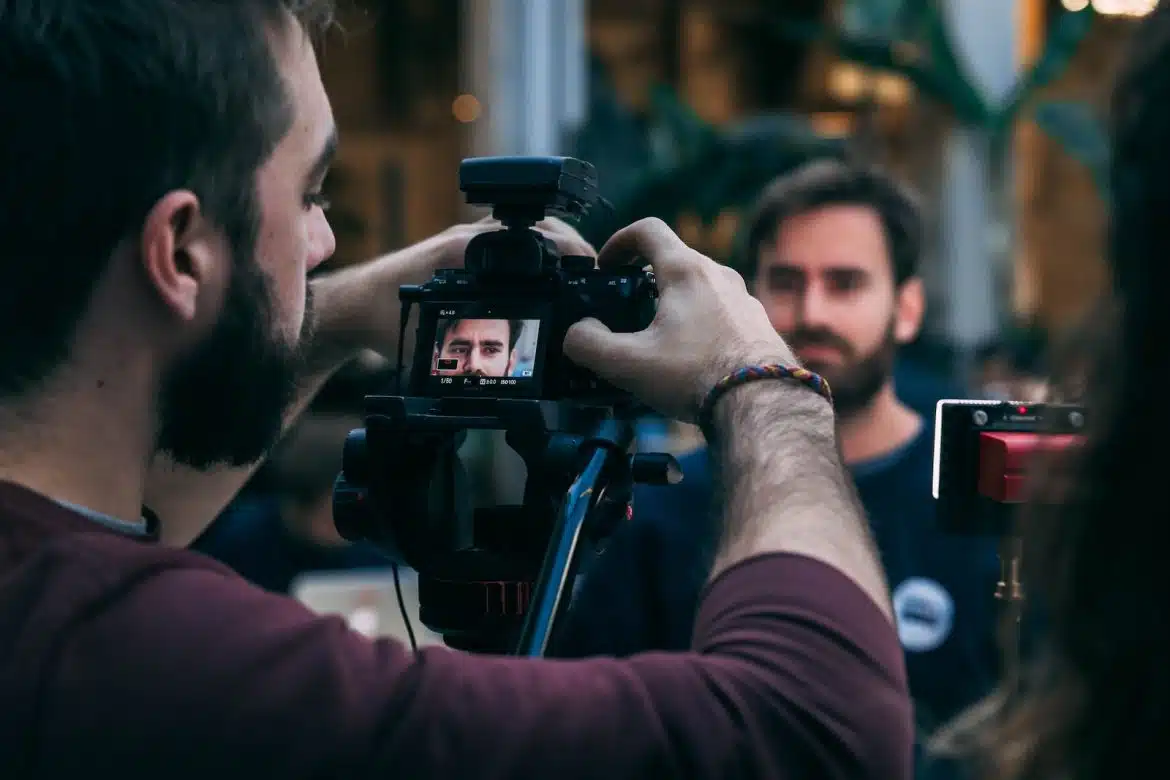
<point x="484" y="572"/>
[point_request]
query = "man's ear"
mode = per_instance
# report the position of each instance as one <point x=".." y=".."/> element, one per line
<point x="909" y="309"/>
<point x="511" y="362"/>
<point x="178" y="250"/>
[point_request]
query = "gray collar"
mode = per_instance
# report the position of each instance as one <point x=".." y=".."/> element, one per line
<point x="145" y="527"/>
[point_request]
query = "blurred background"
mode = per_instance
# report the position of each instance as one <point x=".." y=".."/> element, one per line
<point x="993" y="109"/>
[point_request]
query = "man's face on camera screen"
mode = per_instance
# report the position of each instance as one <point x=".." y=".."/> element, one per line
<point x="476" y="348"/>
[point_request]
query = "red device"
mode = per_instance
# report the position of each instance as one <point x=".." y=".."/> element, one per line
<point x="982" y="453"/>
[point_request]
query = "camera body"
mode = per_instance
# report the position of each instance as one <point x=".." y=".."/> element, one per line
<point x="494" y="328"/>
<point x="501" y="338"/>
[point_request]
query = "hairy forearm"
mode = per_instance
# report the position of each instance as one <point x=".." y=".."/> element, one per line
<point x="784" y="488"/>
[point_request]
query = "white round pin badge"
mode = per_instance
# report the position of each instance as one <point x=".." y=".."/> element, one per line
<point x="925" y="613"/>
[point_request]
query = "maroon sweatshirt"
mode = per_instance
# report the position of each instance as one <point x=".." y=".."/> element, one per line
<point x="123" y="658"/>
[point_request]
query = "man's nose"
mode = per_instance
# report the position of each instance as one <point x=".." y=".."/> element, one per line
<point x="322" y="242"/>
<point x="814" y="307"/>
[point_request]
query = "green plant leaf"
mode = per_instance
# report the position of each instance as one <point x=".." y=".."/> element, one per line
<point x="1080" y="133"/>
<point x="912" y="13"/>
<point x="873" y="17"/>
<point x="963" y="96"/>
<point x="1062" y="44"/>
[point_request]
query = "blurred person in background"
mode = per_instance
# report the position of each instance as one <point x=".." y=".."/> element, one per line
<point x="832" y="253"/>
<point x="281" y="525"/>
<point x="1093" y="703"/>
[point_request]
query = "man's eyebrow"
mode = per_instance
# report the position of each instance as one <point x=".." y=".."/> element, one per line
<point x="845" y="270"/>
<point x="324" y="159"/>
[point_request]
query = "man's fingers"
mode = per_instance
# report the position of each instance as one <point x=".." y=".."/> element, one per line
<point x="649" y="237"/>
<point x="567" y="239"/>
<point x="591" y="344"/>
<point x="645" y="238"/>
<point x="653" y="241"/>
<point x="573" y="245"/>
<point x="556" y="226"/>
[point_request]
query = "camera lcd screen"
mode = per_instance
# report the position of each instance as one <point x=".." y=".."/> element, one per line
<point x="485" y="354"/>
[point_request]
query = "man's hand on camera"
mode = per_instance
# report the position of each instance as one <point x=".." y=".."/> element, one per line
<point x="707" y="325"/>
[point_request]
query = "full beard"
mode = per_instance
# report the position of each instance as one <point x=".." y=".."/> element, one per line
<point x="858" y="380"/>
<point x="225" y="403"/>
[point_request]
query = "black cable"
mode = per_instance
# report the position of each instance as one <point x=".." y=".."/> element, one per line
<point x="402" y="608"/>
<point x="403" y="322"/>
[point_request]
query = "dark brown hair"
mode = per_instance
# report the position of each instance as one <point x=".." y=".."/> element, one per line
<point x="108" y="106"/>
<point x="1095" y="702"/>
<point x="822" y="183"/>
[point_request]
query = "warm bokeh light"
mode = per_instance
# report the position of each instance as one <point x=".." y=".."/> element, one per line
<point x="1112" y="7"/>
<point x="834" y="124"/>
<point x="892" y="89"/>
<point x="466" y="108"/>
<point x="846" y="81"/>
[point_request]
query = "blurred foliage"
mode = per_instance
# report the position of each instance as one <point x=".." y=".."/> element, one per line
<point x="1078" y="130"/>
<point x="672" y="164"/>
<point x="693" y="168"/>
<point x="911" y="38"/>
<point x="886" y="18"/>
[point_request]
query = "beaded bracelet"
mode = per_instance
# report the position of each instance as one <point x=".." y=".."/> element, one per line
<point x="750" y="374"/>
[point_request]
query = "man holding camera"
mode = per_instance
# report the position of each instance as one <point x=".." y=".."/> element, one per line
<point x="158" y="215"/>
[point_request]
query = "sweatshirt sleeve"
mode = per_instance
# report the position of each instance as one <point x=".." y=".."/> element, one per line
<point x="795" y="673"/>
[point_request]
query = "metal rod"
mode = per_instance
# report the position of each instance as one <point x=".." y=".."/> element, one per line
<point x="560" y="563"/>
<point x="1011" y="591"/>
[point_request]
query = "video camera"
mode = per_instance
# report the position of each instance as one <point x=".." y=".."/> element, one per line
<point x="488" y="357"/>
